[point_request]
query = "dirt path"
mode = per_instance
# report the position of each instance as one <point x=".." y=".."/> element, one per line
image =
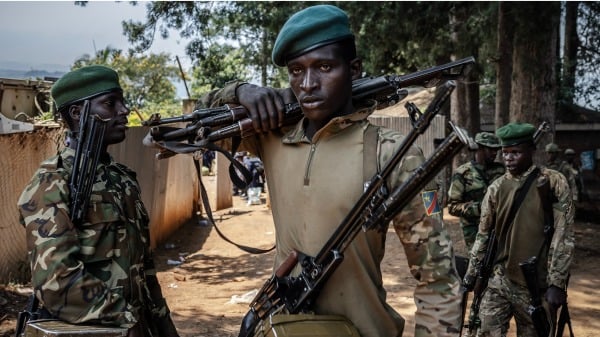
<point x="212" y="272"/>
<point x="200" y="290"/>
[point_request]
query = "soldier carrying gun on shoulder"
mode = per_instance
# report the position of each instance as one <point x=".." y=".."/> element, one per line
<point x="86" y="227"/>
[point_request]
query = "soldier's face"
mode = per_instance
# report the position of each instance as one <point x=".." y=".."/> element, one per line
<point x="111" y="107"/>
<point x="518" y="158"/>
<point x="322" y="82"/>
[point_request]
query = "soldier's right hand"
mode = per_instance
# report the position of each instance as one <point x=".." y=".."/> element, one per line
<point x="468" y="283"/>
<point x="265" y="105"/>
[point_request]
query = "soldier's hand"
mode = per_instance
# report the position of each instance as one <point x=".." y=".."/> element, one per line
<point x="555" y="297"/>
<point x="468" y="283"/>
<point x="265" y="105"/>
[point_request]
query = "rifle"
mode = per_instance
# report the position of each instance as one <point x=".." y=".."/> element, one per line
<point x="213" y="124"/>
<point x="87" y="153"/>
<point x="535" y="309"/>
<point x="373" y="210"/>
<point x="564" y="319"/>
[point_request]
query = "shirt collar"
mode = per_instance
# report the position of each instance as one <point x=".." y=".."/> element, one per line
<point x="335" y="125"/>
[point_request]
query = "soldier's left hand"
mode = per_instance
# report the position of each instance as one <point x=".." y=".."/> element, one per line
<point x="556" y="297"/>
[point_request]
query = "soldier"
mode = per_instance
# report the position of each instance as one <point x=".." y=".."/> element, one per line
<point x="470" y="182"/>
<point x="98" y="271"/>
<point x="314" y="173"/>
<point x="554" y="162"/>
<point x="520" y="235"/>
<point x="570" y="158"/>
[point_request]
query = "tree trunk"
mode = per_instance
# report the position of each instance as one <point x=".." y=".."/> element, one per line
<point x="534" y="81"/>
<point x="570" y="51"/>
<point x="504" y="62"/>
<point x="464" y="106"/>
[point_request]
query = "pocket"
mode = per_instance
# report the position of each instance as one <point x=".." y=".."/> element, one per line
<point x="98" y="236"/>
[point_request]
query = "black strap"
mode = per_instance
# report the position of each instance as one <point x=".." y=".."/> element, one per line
<point x="206" y="203"/>
<point x="520" y="196"/>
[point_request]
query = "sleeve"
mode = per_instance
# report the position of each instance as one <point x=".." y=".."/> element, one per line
<point x="562" y="245"/>
<point x="430" y="256"/>
<point x="457" y="205"/>
<point x="59" y="278"/>
<point x="486" y="224"/>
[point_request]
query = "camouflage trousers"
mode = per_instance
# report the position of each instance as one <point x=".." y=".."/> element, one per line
<point x="503" y="300"/>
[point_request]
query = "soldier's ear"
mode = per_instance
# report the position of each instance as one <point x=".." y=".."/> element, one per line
<point x="75" y="112"/>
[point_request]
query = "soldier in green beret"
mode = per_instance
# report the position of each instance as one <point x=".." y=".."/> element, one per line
<point x="98" y="270"/>
<point x="470" y="182"/>
<point x="554" y="162"/>
<point x="520" y="235"/>
<point x="315" y="175"/>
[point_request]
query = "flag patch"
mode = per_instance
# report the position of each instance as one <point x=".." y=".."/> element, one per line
<point x="430" y="201"/>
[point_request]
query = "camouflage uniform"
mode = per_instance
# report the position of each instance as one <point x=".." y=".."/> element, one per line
<point x="314" y="184"/>
<point x="469" y="184"/>
<point x="93" y="272"/>
<point x="569" y="172"/>
<point x="507" y="294"/>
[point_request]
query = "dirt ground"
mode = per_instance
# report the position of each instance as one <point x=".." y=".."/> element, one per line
<point x="207" y="282"/>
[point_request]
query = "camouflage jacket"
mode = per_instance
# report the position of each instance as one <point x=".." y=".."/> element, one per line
<point x="313" y="184"/>
<point x="569" y="172"/>
<point x="92" y="272"/>
<point x="468" y="186"/>
<point x="525" y="237"/>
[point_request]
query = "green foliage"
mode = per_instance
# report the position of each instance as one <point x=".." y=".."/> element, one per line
<point x="146" y="79"/>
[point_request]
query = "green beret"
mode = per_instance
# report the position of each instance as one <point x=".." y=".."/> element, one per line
<point x="552" y="148"/>
<point x="84" y="83"/>
<point x="515" y="133"/>
<point x="309" y="29"/>
<point x="487" y="139"/>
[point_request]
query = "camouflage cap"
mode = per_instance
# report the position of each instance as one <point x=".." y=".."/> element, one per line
<point x="552" y="148"/>
<point x="515" y="133"/>
<point x="569" y="151"/>
<point x="84" y="83"/>
<point x="487" y="139"/>
<point x="309" y="29"/>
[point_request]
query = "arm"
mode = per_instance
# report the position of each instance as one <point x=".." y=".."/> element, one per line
<point x="430" y="257"/>
<point x="486" y="224"/>
<point x="159" y="311"/>
<point x="457" y="205"/>
<point x="562" y="245"/>
<point x="58" y="275"/>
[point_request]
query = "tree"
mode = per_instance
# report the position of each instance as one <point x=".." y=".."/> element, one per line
<point x="146" y="80"/>
<point x="535" y="57"/>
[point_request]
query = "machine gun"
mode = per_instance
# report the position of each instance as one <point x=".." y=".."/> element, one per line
<point x="374" y="209"/>
<point x="212" y="124"/>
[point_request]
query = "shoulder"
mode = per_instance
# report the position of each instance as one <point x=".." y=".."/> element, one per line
<point x="462" y="169"/>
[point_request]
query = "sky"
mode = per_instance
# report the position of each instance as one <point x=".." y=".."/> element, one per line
<point x="36" y="34"/>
